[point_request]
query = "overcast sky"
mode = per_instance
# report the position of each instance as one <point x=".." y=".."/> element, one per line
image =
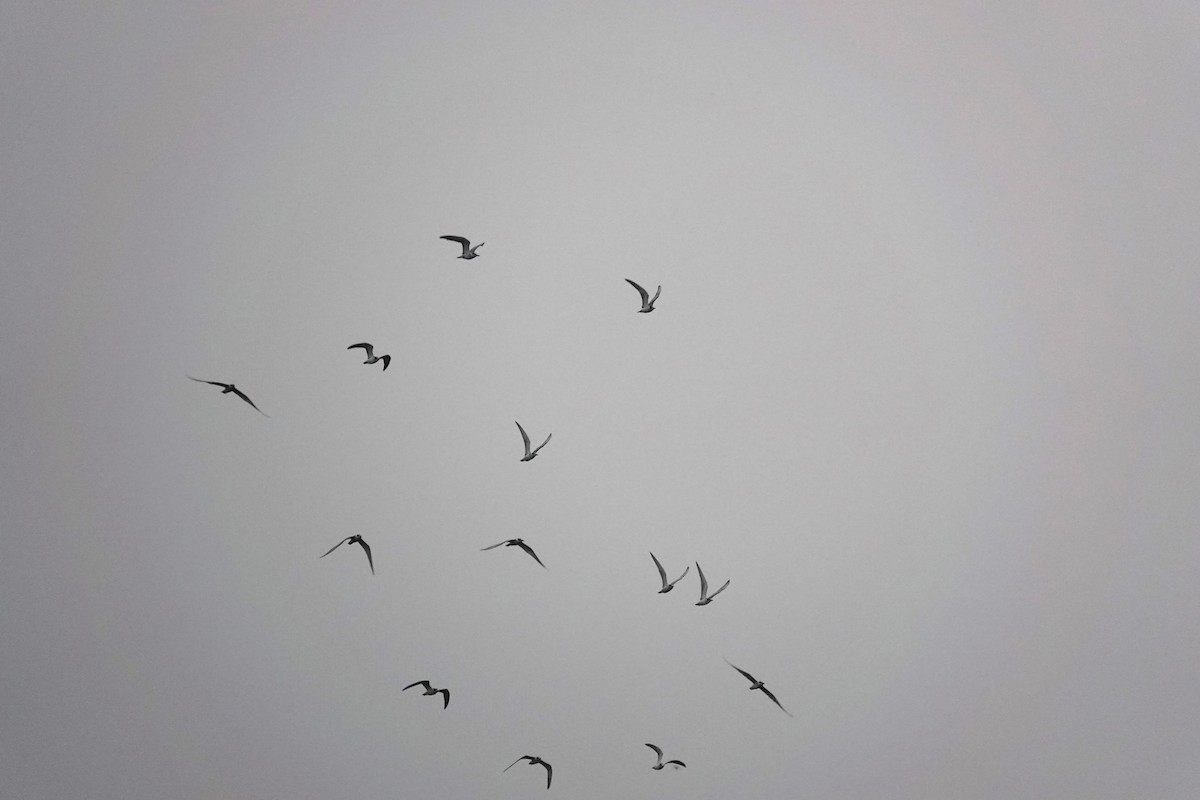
<point x="922" y="383"/>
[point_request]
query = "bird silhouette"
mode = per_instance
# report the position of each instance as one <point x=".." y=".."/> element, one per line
<point x="705" y="597"/>
<point x="226" y="388"/>
<point x="468" y="252"/>
<point x="666" y="587"/>
<point x="518" y="543"/>
<point x="533" y="760"/>
<point x="371" y="357"/>
<point x="647" y="302"/>
<point x="661" y="763"/>
<point x="530" y="454"/>
<point x="356" y="539"/>
<point x="429" y="690"/>
<point x="755" y="683"/>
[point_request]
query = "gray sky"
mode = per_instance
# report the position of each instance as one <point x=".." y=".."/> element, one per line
<point x="922" y="382"/>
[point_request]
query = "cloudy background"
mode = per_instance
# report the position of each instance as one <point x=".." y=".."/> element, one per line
<point x="922" y="382"/>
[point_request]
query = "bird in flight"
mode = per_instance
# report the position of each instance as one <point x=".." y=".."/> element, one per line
<point x="705" y="597"/>
<point x="371" y="357"/>
<point x="530" y="454"/>
<point x="429" y="690"/>
<point x="533" y="760"/>
<point x="661" y="763"/>
<point x="663" y="574"/>
<point x="647" y="302"/>
<point x="468" y="251"/>
<point x="356" y="539"/>
<point x="519" y="543"/>
<point x="757" y="684"/>
<point x="226" y="388"/>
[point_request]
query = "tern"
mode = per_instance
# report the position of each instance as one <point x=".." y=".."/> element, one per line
<point x="755" y="683"/>
<point x="371" y="357"/>
<point x="429" y="690"/>
<point x="468" y="252"/>
<point x="356" y="539"/>
<point x="530" y="454"/>
<point x="226" y="388"/>
<point x="705" y="597"/>
<point x="519" y="543"/>
<point x="663" y="574"/>
<point x="533" y="760"/>
<point x="647" y="302"/>
<point x="662" y="763"/>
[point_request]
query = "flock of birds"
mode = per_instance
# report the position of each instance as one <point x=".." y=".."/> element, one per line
<point x="469" y="252"/>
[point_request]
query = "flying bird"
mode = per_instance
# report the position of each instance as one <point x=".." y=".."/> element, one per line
<point x="757" y="684"/>
<point x="356" y="539"/>
<point x="519" y="543"/>
<point x="705" y="597"/>
<point x="429" y="690"/>
<point x="533" y="760"/>
<point x="530" y="454"/>
<point x="371" y="357"/>
<point x="663" y="574"/>
<point x="468" y="251"/>
<point x="661" y="763"/>
<point x="647" y="302"/>
<point x="226" y="388"/>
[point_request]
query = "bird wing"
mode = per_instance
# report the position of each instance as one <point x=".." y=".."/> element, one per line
<point x="466" y="243"/>
<point x="418" y="683"/>
<point x="529" y="550"/>
<point x="662" y="573"/>
<point x="657" y="750"/>
<point x="446" y="692"/>
<point x="703" y="582"/>
<point x="336" y="546"/>
<point x="749" y="677"/>
<point x="549" y="773"/>
<point x="767" y="692"/>
<point x="494" y="546"/>
<point x="242" y="395"/>
<point x="543" y="444"/>
<point x="656" y="294"/>
<point x="524" y="437"/>
<point x="367" y="548"/>
<point x="522" y="758"/>
<point x="386" y="360"/>
<point x="645" y="295"/>
<point x="365" y="346"/>
<point x="718" y="591"/>
<point x="675" y="761"/>
<point x="681" y="577"/>
<point x="214" y="383"/>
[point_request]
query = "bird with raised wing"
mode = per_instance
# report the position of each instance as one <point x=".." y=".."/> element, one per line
<point x="662" y="573"/>
<point x="705" y="597"/>
<point x="358" y="540"/>
<point x="755" y="683"/>
<point x="647" y="301"/>
<point x="517" y="543"/>
<point x="429" y="690"/>
<point x="371" y="357"/>
<point x="530" y="454"/>
<point x="226" y="388"/>
<point x="468" y="252"/>
<point x="662" y="763"/>
<point x="533" y="760"/>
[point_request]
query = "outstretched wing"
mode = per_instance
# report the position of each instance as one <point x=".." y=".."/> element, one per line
<point x="214" y="383"/>
<point x="703" y="582"/>
<point x="494" y="546"/>
<point x="336" y="546"/>
<point x="645" y="295"/>
<point x="656" y="294"/>
<point x="466" y="247"/>
<point x="529" y="550"/>
<point x="446" y="692"/>
<point x="522" y="758"/>
<point x="543" y="444"/>
<point x="749" y="677"/>
<point x="386" y="360"/>
<point x="418" y="683"/>
<point x="686" y="570"/>
<point x="242" y="395"/>
<point x="524" y="437"/>
<point x="675" y="761"/>
<point x="367" y="548"/>
<point x="662" y="573"/>
<point x="767" y="692"/>
<point x="365" y="346"/>
<point x="549" y="773"/>
<point x="718" y="591"/>
<point x="656" y="749"/>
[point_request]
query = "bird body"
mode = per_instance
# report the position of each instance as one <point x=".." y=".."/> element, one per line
<point x="533" y="760"/>
<point x="371" y="357"/>
<point x="530" y="454"/>
<point x="647" y="302"/>
<point x="358" y="540"/>
<point x="429" y="690"/>
<point x="705" y="597"/>
<point x="755" y="683"/>
<point x="468" y="252"/>
<point x="227" y="388"/>
<point x="662" y="573"/>
<point x="515" y="543"/>
<point x="661" y="763"/>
